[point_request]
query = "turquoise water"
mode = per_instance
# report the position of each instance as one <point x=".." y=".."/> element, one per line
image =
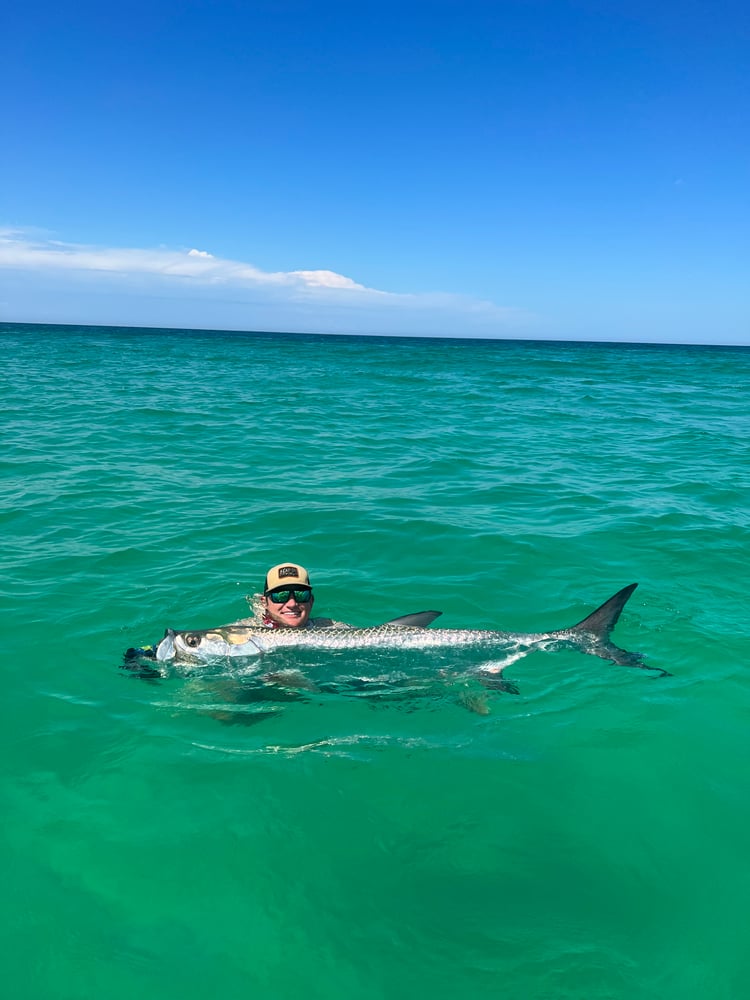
<point x="198" y="835"/>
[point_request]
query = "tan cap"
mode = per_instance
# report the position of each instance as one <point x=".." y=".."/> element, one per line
<point x="286" y="574"/>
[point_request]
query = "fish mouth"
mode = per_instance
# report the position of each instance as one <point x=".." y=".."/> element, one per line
<point x="166" y="648"/>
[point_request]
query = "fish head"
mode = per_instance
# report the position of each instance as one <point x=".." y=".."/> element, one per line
<point x="201" y="646"/>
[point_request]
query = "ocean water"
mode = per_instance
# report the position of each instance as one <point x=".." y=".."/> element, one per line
<point x="205" y="834"/>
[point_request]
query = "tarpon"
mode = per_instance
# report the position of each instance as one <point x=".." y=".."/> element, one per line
<point x="210" y="646"/>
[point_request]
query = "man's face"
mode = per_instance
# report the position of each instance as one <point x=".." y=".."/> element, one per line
<point x="292" y="612"/>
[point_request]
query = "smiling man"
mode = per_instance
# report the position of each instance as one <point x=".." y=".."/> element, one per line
<point x="287" y="597"/>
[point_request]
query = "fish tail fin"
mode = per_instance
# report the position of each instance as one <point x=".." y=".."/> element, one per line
<point x="592" y="634"/>
<point x="601" y="622"/>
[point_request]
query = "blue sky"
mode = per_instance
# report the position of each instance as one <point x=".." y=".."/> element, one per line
<point x="538" y="168"/>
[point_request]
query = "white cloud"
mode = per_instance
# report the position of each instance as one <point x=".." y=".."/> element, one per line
<point x="329" y="279"/>
<point x="20" y="251"/>
<point x="244" y="294"/>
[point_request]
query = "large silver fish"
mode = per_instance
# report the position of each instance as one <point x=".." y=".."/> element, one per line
<point x="592" y="635"/>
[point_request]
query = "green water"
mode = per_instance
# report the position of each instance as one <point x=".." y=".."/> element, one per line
<point x="186" y="837"/>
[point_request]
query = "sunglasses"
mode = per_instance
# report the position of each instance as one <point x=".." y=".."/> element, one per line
<point x="301" y="595"/>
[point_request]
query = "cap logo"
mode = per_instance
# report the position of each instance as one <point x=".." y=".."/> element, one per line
<point x="288" y="571"/>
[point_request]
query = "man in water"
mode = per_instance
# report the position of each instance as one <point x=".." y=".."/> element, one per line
<point x="286" y="601"/>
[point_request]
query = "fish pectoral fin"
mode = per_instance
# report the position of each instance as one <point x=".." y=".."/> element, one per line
<point x="419" y="619"/>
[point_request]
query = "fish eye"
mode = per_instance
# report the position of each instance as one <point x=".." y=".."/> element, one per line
<point x="192" y="640"/>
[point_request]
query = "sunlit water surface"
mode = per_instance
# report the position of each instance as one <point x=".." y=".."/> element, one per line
<point x="206" y="835"/>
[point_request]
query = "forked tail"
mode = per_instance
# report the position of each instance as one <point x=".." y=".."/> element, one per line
<point x="601" y="622"/>
<point x="593" y="633"/>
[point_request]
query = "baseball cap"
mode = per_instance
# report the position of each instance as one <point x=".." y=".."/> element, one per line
<point x="286" y="574"/>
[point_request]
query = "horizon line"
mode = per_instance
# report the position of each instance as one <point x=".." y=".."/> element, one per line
<point x="376" y="336"/>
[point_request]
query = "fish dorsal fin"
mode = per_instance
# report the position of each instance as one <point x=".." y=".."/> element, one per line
<point x="419" y="619"/>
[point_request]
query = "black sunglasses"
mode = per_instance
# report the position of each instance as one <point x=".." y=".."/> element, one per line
<point x="301" y="595"/>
